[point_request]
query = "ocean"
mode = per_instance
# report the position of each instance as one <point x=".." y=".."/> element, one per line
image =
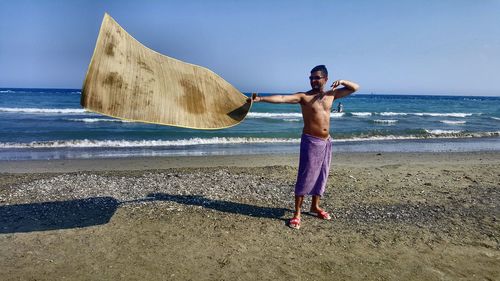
<point x="51" y="124"/>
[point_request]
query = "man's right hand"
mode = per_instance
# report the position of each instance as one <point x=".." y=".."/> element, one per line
<point x="255" y="97"/>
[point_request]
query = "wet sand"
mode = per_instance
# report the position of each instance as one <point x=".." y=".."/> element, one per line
<point x="397" y="217"/>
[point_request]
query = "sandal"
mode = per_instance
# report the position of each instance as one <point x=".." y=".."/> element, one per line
<point x="294" y="223"/>
<point x="324" y="215"/>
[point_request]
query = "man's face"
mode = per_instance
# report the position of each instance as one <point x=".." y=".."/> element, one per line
<point x="317" y="80"/>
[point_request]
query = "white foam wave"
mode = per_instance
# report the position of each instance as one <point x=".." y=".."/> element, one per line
<point x="273" y="115"/>
<point x="462" y="115"/>
<point x="451" y="122"/>
<point x="43" y="110"/>
<point x="432" y="114"/>
<point x="222" y="140"/>
<point x="361" y="114"/>
<point x="378" y="138"/>
<point x="285" y="115"/>
<point x="94" y="120"/>
<point x="144" y="143"/>
<point x="337" y="114"/>
<point x="448" y="135"/>
<point x="443" y="132"/>
<point x="392" y="113"/>
<point x="25" y="91"/>
<point x="495" y="118"/>
<point x="388" y="121"/>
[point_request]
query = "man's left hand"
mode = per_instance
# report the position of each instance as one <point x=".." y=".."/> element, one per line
<point x="336" y="84"/>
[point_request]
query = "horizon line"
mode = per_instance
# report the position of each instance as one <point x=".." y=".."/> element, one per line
<point x="367" y="93"/>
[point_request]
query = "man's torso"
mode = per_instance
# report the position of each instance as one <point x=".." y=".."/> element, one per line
<point x="316" y="110"/>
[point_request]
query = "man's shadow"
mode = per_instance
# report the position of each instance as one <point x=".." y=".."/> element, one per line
<point x="57" y="215"/>
<point x="222" y="206"/>
<point x="99" y="210"/>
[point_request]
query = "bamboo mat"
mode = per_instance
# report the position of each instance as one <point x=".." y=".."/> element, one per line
<point x="129" y="81"/>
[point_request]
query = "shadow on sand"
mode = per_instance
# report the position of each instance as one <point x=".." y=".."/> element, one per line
<point x="222" y="206"/>
<point x="99" y="210"/>
<point x="57" y="214"/>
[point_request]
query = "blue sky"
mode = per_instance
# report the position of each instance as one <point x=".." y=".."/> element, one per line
<point x="399" y="47"/>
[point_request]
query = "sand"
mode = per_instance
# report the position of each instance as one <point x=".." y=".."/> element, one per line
<point x="398" y="216"/>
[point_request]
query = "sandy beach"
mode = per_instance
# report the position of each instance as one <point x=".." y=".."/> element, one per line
<point x="397" y="216"/>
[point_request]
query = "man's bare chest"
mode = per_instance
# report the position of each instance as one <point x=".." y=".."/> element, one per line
<point x="318" y="104"/>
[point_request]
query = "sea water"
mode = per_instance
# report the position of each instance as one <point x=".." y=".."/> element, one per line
<point x="51" y="124"/>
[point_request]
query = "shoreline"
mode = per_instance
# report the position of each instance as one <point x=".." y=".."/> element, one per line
<point x="255" y="160"/>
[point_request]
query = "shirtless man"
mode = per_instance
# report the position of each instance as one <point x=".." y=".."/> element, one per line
<point x="315" y="146"/>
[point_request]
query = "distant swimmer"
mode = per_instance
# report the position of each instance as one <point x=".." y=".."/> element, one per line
<point x="340" y="107"/>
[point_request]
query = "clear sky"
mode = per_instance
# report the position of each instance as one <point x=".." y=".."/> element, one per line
<point x="400" y="47"/>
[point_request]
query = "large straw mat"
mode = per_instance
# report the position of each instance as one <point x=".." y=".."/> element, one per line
<point x="127" y="80"/>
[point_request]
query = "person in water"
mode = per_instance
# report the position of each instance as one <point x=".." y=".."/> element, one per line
<point x="340" y="107"/>
<point x="316" y="143"/>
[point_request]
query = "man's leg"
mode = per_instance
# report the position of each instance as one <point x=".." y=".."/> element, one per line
<point x="298" y="205"/>
<point x="295" y="221"/>
<point x="316" y="209"/>
<point x="315" y="204"/>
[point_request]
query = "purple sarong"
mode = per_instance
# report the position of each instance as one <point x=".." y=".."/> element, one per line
<point x="314" y="165"/>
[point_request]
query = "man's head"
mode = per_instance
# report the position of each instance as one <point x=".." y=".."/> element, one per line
<point x="318" y="78"/>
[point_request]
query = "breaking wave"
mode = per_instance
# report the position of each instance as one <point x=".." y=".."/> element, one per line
<point x="286" y="115"/>
<point x="451" y="122"/>
<point x="451" y="114"/>
<point x="43" y="110"/>
<point x="384" y="121"/>
<point x="233" y="140"/>
<point x="94" y="120"/>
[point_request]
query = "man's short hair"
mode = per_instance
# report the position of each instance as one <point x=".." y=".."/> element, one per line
<point x="321" y="68"/>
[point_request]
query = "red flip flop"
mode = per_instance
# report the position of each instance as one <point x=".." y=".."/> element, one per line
<point x="294" y="223"/>
<point x="324" y="215"/>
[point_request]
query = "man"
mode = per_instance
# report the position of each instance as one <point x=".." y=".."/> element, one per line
<point x="315" y="145"/>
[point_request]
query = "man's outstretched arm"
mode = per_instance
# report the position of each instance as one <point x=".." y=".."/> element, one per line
<point x="295" y="98"/>
<point x="349" y="88"/>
